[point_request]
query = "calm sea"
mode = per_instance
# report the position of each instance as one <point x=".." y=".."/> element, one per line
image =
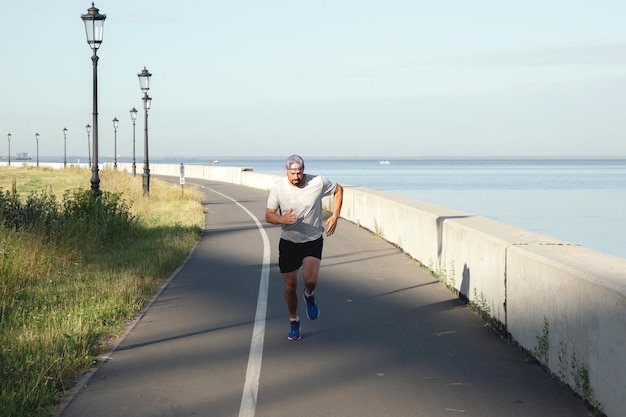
<point x="582" y="201"/>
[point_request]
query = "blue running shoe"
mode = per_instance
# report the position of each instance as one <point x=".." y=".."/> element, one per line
<point x="312" y="311"/>
<point x="294" y="330"/>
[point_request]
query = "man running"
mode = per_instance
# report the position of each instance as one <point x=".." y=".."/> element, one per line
<point x="295" y="202"/>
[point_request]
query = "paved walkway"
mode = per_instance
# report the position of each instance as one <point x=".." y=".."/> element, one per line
<point x="390" y="340"/>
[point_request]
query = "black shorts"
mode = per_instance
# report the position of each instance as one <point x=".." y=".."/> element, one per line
<point x="291" y="255"/>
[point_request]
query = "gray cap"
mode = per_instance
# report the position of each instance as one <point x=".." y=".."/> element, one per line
<point x="294" y="159"/>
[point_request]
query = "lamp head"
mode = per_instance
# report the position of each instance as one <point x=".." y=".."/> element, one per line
<point x="144" y="80"/>
<point x="94" y="26"/>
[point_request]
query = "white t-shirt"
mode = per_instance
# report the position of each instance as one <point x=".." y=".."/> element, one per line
<point x="306" y="203"/>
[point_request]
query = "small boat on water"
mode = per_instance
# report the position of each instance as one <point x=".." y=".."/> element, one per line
<point x="384" y="162"/>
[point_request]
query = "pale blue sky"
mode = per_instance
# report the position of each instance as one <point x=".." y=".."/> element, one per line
<point x="321" y="78"/>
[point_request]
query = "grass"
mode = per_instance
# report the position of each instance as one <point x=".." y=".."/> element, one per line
<point x="74" y="270"/>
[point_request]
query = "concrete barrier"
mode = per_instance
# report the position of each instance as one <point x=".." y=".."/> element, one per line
<point x="564" y="303"/>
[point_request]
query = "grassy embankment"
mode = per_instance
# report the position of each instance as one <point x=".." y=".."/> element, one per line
<point x="74" y="271"/>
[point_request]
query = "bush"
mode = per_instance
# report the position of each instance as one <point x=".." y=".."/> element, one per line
<point x="107" y="218"/>
<point x="81" y="217"/>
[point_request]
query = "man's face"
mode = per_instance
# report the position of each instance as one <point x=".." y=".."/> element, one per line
<point x="295" y="174"/>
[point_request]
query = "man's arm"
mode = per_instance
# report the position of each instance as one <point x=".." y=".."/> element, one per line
<point x="272" y="217"/>
<point x="331" y="223"/>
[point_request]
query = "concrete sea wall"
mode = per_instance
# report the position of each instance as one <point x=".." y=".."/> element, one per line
<point x="564" y="303"/>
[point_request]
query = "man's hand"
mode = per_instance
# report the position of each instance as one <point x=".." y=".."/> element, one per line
<point x="272" y="217"/>
<point x="331" y="225"/>
<point x="289" y="218"/>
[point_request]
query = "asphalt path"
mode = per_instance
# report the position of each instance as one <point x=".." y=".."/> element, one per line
<point x="390" y="340"/>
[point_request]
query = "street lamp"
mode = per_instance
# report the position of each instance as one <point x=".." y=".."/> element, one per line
<point x="9" y="137"/>
<point x="133" y="116"/>
<point x="65" y="147"/>
<point x="88" y="128"/>
<point x="37" y="139"/>
<point x="94" y="28"/>
<point x="116" y="123"/>
<point x="144" y="84"/>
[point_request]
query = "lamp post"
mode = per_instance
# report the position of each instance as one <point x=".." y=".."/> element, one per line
<point x="94" y="27"/>
<point x="133" y="116"/>
<point x="37" y="139"/>
<point x="116" y="123"/>
<point x="144" y="84"/>
<point x="88" y="128"/>
<point x="65" y="147"/>
<point x="9" y="137"/>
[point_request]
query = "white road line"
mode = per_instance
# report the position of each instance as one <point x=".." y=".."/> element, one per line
<point x="253" y="373"/>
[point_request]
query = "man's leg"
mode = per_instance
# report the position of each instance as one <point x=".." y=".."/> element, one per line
<point x="291" y="299"/>
<point x="291" y="296"/>
<point x="310" y="271"/>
